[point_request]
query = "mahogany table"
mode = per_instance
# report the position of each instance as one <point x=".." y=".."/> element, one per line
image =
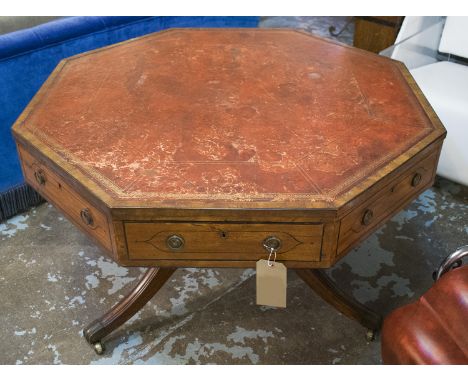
<point x="195" y="147"/>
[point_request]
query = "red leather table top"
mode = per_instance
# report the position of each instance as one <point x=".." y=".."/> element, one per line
<point x="228" y="115"/>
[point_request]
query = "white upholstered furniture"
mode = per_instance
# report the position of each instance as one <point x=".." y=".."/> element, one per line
<point x="435" y="49"/>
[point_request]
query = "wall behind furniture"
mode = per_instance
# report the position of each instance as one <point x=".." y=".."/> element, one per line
<point x="13" y="23"/>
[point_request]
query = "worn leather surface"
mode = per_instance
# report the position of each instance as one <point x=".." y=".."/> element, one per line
<point x="432" y="330"/>
<point x="229" y="114"/>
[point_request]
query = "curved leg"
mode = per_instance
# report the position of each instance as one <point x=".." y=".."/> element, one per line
<point x="327" y="289"/>
<point x="151" y="282"/>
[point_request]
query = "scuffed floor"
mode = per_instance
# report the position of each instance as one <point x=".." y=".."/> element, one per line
<point x="53" y="281"/>
<point x="317" y="25"/>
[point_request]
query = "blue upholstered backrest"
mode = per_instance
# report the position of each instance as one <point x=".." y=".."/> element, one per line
<point x="27" y="58"/>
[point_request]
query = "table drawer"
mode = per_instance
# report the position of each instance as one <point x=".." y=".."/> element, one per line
<point x="386" y="202"/>
<point x="53" y="188"/>
<point x="222" y="241"/>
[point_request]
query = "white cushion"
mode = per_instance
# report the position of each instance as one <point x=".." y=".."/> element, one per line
<point x="454" y="38"/>
<point x="445" y="85"/>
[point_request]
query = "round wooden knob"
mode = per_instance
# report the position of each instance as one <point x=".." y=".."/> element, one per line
<point x="367" y="217"/>
<point x="175" y="242"/>
<point x="416" y="179"/>
<point x="87" y="217"/>
<point x="40" y="177"/>
<point x="272" y="242"/>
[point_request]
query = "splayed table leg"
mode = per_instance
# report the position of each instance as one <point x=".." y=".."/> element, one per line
<point x="151" y="282"/>
<point x="318" y="280"/>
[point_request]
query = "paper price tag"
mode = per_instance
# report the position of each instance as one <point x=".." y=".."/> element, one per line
<point x="271" y="283"/>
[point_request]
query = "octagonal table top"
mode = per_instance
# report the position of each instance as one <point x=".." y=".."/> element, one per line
<point x="228" y="118"/>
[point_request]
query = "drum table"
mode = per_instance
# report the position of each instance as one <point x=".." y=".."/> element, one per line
<point x="206" y="147"/>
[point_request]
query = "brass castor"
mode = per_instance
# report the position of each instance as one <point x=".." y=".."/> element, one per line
<point x="98" y="348"/>
<point x="370" y="335"/>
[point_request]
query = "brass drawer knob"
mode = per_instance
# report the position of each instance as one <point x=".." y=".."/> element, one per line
<point x="87" y="217"/>
<point x="416" y="179"/>
<point x="175" y="242"/>
<point x="40" y="176"/>
<point x="367" y="217"/>
<point x="272" y="242"/>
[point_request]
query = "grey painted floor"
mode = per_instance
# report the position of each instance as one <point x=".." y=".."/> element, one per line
<point x="315" y="25"/>
<point x="53" y="281"/>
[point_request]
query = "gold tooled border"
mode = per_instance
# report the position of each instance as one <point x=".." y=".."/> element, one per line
<point x="100" y="185"/>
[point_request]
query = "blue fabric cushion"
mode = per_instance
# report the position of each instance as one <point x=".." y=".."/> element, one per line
<point x="28" y="57"/>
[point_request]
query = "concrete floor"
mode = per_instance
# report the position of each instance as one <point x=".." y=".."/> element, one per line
<point x="53" y="281"/>
<point x="315" y="25"/>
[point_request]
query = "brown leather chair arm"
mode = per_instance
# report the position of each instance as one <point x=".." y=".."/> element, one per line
<point x="432" y="330"/>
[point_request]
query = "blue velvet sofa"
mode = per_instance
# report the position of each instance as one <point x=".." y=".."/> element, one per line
<point x="27" y="57"/>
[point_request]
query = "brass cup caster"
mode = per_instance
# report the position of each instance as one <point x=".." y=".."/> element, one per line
<point x="98" y="348"/>
<point x="370" y="335"/>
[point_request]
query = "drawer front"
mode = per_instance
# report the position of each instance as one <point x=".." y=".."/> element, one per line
<point x="386" y="202"/>
<point x="222" y="241"/>
<point x="61" y="195"/>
